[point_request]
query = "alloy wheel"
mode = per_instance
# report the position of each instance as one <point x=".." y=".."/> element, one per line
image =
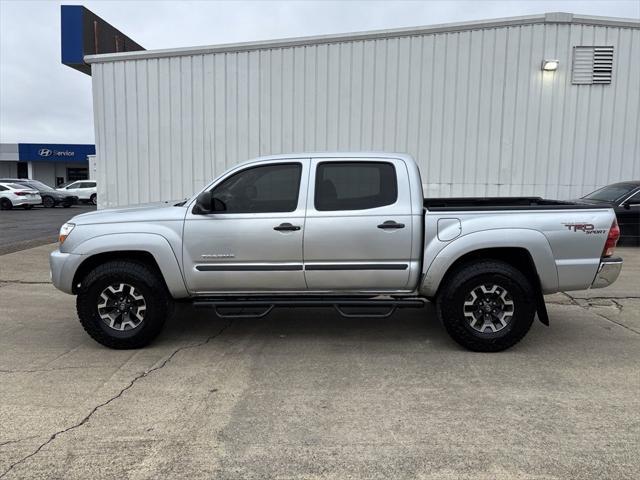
<point x="488" y="308"/>
<point x="121" y="307"/>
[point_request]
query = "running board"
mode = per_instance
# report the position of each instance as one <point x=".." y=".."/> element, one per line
<point x="264" y="305"/>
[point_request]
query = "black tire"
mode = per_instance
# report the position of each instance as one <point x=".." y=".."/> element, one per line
<point x="5" y="204"/>
<point x="94" y="199"/>
<point x="146" y="281"/>
<point x="483" y="275"/>
<point x="27" y="207"/>
<point x="48" y="202"/>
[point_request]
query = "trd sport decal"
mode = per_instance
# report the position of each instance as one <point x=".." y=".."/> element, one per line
<point x="587" y="228"/>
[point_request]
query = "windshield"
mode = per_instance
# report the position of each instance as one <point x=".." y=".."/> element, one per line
<point x="610" y="193"/>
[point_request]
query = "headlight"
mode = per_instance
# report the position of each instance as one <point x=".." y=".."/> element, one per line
<point x="65" y="230"/>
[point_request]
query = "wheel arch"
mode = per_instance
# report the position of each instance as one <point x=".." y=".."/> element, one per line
<point x="93" y="261"/>
<point x="155" y="252"/>
<point x="517" y="257"/>
<point x="527" y="250"/>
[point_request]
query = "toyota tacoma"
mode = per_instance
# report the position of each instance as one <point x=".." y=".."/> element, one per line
<point x="350" y="231"/>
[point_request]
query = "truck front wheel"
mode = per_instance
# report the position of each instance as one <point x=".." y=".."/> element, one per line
<point x="486" y="306"/>
<point x="123" y="304"/>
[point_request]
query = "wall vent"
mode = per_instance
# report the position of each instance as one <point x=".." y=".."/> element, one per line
<point x="592" y="65"/>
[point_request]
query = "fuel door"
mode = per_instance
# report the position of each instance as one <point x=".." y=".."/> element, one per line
<point x="448" y="229"/>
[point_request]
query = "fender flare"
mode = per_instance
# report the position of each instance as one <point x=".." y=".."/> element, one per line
<point x="532" y="241"/>
<point x="152" y="243"/>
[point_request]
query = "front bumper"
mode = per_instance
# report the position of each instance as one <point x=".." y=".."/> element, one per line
<point x="608" y="272"/>
<point x="63" y="269"/>
<point x="68" y="200"/>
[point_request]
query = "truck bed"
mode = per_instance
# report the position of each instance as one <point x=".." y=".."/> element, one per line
<point x="498" y="203"/>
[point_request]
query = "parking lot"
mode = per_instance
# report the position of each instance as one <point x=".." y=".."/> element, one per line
<point x="307" y="394"/>
<point x="29" y="228"/>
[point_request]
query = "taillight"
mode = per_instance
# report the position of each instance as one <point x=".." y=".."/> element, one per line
<point x="20" y="194"/>
<point x="612" y="239"/>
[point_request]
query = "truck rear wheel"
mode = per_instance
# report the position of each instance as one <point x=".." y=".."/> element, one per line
<point x="123" y="304"/>
<point x="486" y="306"/>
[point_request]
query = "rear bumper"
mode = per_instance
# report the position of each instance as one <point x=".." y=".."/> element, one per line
<point x="27" y="201"/>
<point x="608" y="272"/>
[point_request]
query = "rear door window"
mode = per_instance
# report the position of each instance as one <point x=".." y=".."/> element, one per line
<point x="355" y="185"/>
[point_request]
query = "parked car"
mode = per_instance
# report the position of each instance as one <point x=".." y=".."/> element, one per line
<point x="50" y="197"/>
<point x="345" y="230"/>
<point x="624" y="198"/>
<point x="15" y="195"/>
<point x="85" y="190"/>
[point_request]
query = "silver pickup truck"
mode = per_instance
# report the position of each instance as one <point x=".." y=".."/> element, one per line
<point x="350" y="231"/>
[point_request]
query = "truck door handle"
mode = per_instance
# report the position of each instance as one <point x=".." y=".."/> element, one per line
<point x="389" y="224"/>
<point x="286" y="227"/>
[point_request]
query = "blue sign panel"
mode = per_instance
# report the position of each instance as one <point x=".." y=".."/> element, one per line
<point x="85" y="33"/>
<point x="54" y="152"/>
<point x="72" y="30"/>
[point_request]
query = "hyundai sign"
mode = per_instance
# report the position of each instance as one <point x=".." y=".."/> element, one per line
<point x="54" y="152"/>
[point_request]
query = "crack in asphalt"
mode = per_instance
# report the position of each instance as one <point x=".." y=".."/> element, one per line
<point x="115" y="397"/>
<point x="17" y="440"/>
<point x="54" y="369"/>
<point x="591" y="308"/>
<point x="618" y="305"/>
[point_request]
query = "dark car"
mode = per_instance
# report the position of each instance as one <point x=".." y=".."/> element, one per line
<point x="624" y="198"/>
<point x="50" y="197"/>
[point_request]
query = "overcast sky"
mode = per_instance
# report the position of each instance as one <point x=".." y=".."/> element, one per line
<point x="42" y="100"/>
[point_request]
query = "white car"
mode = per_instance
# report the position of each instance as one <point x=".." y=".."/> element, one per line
<point x="85" y="190"/>
<point x="14" y="195"/>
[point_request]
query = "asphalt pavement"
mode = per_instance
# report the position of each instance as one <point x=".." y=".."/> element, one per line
<point x="20" y="229"/>
<point x="304" y="393"/>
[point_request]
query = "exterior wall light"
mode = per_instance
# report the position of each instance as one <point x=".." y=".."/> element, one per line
<point x="550" y="65"/>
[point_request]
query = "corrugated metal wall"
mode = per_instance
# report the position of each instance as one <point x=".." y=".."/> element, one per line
<point x="473" y="107"/>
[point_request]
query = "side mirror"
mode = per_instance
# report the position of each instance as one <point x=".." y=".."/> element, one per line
<point x="203" y="204"/>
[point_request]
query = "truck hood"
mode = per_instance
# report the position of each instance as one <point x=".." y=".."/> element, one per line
<point x="152" y="212"/>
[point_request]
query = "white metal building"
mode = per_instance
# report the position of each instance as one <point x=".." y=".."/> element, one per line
<point x="470" y="101"/>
